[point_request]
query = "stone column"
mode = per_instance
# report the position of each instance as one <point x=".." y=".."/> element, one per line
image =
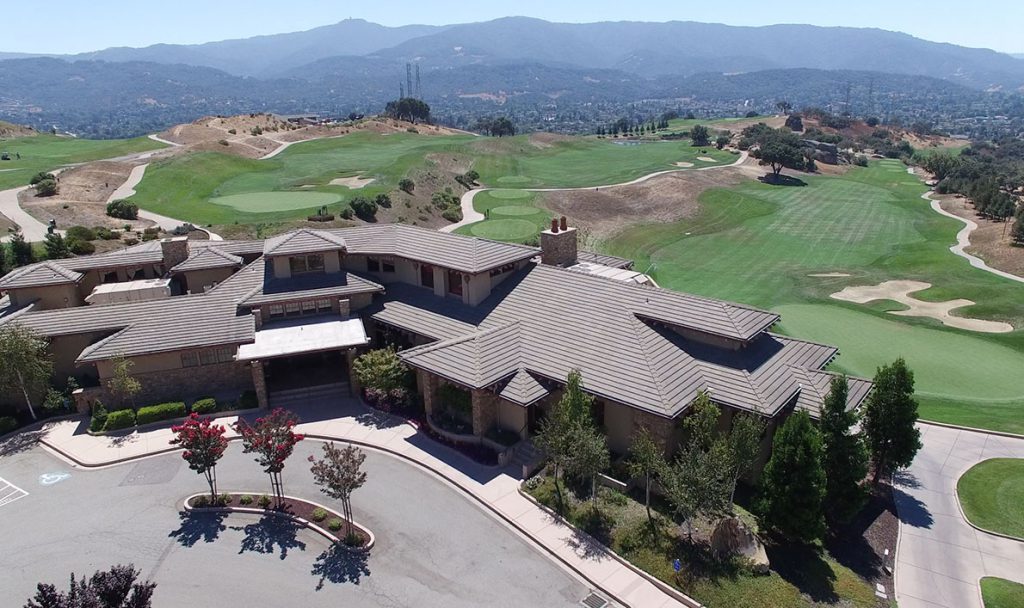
<point x="259" y="382"/>
<point x="428" y="389"/>
<point x="485" y="411"/>
<point x="662" y="430"/>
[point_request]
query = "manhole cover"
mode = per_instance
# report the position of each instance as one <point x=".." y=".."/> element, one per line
<point x="594" y="601"/>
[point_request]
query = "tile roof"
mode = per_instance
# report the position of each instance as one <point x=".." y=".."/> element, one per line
<point x="604" y="260"/>
<point x="523" y="388"/>
<point x="39" y="275"/>
<point x="206" y="258"/>
<point x="303" y="287"/>
<point x="303" y="240"/>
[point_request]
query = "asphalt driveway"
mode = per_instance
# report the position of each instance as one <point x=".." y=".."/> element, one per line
<point x="434" y="548"/>
<point x="941" y="557"/>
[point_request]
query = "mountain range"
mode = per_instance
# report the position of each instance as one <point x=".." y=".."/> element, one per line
<point x="525" y="64"/>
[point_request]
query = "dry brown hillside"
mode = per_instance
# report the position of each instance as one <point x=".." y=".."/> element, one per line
<point x="8" y="130"/>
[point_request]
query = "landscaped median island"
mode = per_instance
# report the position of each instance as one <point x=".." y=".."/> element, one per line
<point x="991" y="494"/>
<point x="1001" y="593"/>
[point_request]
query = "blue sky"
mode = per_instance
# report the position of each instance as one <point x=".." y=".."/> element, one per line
<point x="68" y="26"/>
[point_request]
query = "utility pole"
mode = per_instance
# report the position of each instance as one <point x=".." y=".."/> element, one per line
<point x="419" y="91"/>
<point x="408" y="78"/>
<point x="401" y="90"/>
<point x="847" y="108"/>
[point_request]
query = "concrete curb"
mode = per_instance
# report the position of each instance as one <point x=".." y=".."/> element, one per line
<point x="665" y="588"/>
<point x="302" y="522"/>
<point x="972" y="429"/>
<point x="960" y="507"/>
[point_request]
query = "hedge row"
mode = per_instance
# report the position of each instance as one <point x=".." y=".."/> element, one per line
<point x="122" y="419"/>
<point x="161" y="411"/>
<point x="119" y="419"/>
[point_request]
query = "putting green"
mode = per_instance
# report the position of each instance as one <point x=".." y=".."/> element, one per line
<point x="505" y="230"/>
<point x="514" y="210"/>
<point x="946" y="365"/>
<point x="992" y="495"/>
<point x="510" y="194"/>
<point x="514" y="179"/>
<point x="262" y="202"/>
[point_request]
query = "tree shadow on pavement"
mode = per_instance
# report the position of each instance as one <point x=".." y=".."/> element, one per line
<point x="912" y="511"/>
<point x="195" y="527"/>
<point x="340" y="564"/>
<point x="268" y="532"/>
<point x="22" y="442"/>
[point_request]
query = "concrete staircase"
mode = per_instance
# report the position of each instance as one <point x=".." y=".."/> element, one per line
<point x="527" y="457"/>
<point x="323" y="393"/>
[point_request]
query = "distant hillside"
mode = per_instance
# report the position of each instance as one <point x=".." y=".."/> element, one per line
<point x="275" y="54"/>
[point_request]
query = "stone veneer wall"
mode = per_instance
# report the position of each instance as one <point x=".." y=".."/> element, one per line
<point x="485" y="411"/>
<point x="187" y="382"/>
<point x="558" y="248"/>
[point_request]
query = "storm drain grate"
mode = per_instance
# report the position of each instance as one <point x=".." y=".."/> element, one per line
<point x="594" y="601"/>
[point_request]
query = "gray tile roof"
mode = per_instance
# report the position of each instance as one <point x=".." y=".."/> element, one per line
<point x="816" y="387"/>
<point x="523" y="388"/>
<point x="39" y="275"/>
<point x="418" y="310"/>
<point x="204" y="258"/>
<point x="304" y="287"/>
<point x="303" y="240"/>
<point x="604" y="260"/>
<point x="548" y="321"/>
<point x="143" y="253"/>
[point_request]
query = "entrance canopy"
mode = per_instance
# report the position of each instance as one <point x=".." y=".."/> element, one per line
<point x="297" y="336"/>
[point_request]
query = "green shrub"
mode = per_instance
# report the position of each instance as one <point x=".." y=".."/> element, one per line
<point x="99" y="418"/>
<point x="407" y="185"/>
<point x="364" y="207"/>
<point x="81" y="233"/>
<point x="334" y="524"/>
<point x="452" y="214"/>
<point x="248" y="401"/>
<point x="7" y="424"/>
<point x="47" y="187"/>
<point x="347" y="213"/>
<point x="206" y="405"/>
<point x="224" y="499"/>
<point x="201" y="501"/>
<point x="352" y="540"/>
<point x="245" y="499"/>
<point x="319" y="514"/>
<point x="79" y="247"/>
<point x="131" y="241"/>
<point x="123" y="209"/>
<point x="264" y="501"/>
<point x="161" y="411"/>
<point x="119" y="419"/>
<point x="42" y="175"/>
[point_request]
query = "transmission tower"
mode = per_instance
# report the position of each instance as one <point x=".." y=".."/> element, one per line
<point x="847" y="107"/>
<point x="408" y="78"/>
<point x="871" y="97"/>
<point x="419" y="91"/>
<point x="401" y="90"/>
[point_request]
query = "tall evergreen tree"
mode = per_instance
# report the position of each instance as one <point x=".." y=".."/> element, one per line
<point x="846" y="456"/>
<point x="21" y="251"/>
<point x="890" y="418"/>
<point x="1017" y="235"/>
<point x="793" y="483"/>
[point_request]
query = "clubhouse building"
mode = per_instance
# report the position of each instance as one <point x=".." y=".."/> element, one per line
<point x="498" y="325"/>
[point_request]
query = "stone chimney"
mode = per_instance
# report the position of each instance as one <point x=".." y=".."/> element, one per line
<point x="175" y="250"/>
<point x="558" y="244"/>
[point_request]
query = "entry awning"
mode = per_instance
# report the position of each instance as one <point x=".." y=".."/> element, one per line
<point x="298" y="336"/>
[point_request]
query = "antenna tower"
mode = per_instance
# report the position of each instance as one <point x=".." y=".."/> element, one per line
<point x="419" y="91"/>
<point x="408" y="79"/>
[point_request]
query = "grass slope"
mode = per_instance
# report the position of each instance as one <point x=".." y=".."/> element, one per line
<point x="757" y="244"/>
<point x="1001" y="593"/>
<point x="992" y="495"/>
<point x="48" y="152"/>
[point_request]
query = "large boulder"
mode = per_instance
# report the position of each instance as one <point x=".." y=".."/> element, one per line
<point x="733" y="537"/>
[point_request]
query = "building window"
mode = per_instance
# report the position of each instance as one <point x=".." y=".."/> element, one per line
<point x="388" y="266"/>
<point x="190" y="359"/>
<point x="324" y="305"/>
<point x="276" y="311"/>
<point x="427" y="275"/>
<point x="455" y="282"/>
<point x="225" y="355"/>
<point x="308" y="306"/>
<point x="292" y="309"/>
<point x="207" y="357"/>
<point x="372" y="264"/>
<point x="300" y="264"/>
<point x="502" y="270"/>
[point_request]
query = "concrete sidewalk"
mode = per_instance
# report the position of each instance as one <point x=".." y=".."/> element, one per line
<point x="496" y="490"/>
<point x="941" y="557"/>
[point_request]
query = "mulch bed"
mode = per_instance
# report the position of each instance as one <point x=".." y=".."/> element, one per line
<point x="294" y="507"/>
<point x="861" y="544"/>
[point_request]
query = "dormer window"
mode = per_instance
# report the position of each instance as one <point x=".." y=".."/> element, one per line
<point x="301" y="264"/>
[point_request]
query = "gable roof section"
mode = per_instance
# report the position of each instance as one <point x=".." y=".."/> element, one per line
<point x="523" y="388"/>
<point x="303" y="287"/>
<point x="42" y="274"/>
<point x="303" y="240"/>
<point x="208" y="258"/>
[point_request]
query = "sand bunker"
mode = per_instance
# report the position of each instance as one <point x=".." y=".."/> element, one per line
<point x="829" y="274"/>
<point x="684" y="164"/>
<point x="355" y="182"/>
<point x="900" y="291"/>
<point x="706" y="159"/>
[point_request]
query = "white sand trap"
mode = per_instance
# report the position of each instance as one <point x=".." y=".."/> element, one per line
<point x="307" y="186"/>
<point x="684" y="164"/>
<point x="706" y="159"/>
<point x="900" y="291"/>
<point x="355" y="182"/>
<point x="829" y="274"/>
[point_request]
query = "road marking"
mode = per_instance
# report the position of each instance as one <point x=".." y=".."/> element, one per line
<point x="10" y="492"/>
<point x="48" y="479"/>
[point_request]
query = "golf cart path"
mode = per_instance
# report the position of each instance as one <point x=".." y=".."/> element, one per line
<point x="166" y="223"/>
<point x="941" y="558"/>
<point x="470" y="215"/>
<point x="963" y="240"/>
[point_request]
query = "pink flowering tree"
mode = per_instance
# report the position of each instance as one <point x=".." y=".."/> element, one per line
<point x="204" y="445"/>
<point x="273" y="440"/>
<point x="339" y="473"/>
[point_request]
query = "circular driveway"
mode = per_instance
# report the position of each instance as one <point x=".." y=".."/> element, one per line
<point x="434" y="547"/>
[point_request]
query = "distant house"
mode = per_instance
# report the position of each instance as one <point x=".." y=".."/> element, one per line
<point x="500" y="324"/>
<point x="299" y="119"/>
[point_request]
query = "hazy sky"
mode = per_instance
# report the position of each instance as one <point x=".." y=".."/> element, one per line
<point x="69" y="26"/>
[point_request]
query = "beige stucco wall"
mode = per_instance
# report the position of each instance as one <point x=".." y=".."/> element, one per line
<point x="698" y="336"/>
<point x="332" y="262"/>
<point x="282" y="270"/>
<point x="619" y="426"/>
<point x="47" y="298"/>
<point x="197" y="280"/>
<point x="513" y="417"/>
<point x="65" y="349"/>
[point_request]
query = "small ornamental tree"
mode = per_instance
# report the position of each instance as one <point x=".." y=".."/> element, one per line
<point x="743" y="443"/>
<point x="380" y="369"/>
<point x="273" y="440"/>
<point x="793" y="483"/>
<point x="646" y="459"/>
<point x="204" y="444"/>
<point x="339" y="473"/>
<point x="890" y="418"/>
<point x="700" y="135"/>
<point x="114" y="588"/>
<point x="25" y="363"/>
<point x="846" y="457"/>
<point x="122" y="385"/>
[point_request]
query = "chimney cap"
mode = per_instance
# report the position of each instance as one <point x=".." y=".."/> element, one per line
<point x="554" y="225"/>
<point x="563" y="224"/>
